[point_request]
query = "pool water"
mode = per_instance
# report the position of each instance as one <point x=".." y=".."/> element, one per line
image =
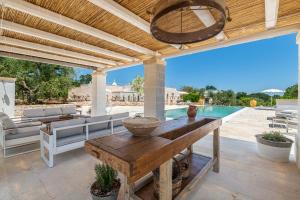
<point x="207" y="111"/>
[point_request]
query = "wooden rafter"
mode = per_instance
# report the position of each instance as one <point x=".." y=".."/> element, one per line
<point x="56" y="18"/>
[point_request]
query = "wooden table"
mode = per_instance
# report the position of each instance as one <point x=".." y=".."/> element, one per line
<point x="136" y="157"/>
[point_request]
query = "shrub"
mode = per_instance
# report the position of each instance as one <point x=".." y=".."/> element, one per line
<point x="105" y="177"/>
<point x="274" y="136"/>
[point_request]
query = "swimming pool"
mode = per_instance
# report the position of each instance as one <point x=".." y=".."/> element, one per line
<point x="207" y="111"/>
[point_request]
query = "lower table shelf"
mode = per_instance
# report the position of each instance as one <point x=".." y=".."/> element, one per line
<point x="199" y="165"/>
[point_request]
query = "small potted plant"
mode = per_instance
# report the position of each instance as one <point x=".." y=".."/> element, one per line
<point x="106" y="186"/>
<point x="274" y="146"/>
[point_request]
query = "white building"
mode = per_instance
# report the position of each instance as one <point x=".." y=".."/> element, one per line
<point x="125" y="93"/>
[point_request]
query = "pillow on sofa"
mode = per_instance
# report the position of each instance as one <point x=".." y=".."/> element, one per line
<point x="34" y="112"/>
<point x="100" y="126"/>
<point x="68" y="110"/>
<point x="118" y="116"/>
<point x="6" y="122"/>
<point x="70" y="131"/>
<point x="52" y="111"/>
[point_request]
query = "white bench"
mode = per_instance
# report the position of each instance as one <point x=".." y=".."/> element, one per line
<point x="68" y="135"/>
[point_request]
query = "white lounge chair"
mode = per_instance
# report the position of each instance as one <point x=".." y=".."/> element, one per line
<point x="17" y="133"/>
<point x="71" y="134"/>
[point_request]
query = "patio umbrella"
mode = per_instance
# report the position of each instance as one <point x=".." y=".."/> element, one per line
<point x="272" y="92"/>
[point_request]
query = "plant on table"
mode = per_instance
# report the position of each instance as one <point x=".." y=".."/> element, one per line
<point x="106" y="185"/>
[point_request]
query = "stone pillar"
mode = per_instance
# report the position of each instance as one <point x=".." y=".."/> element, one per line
<point x="98" y="93"/>
<point x="7" y="96"/>
<point x="297" y="142"/>
<point x="154" y="88"/>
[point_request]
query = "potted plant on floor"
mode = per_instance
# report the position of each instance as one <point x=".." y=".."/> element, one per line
<point x="274" y="146"/>
<point x="106" y="186"/>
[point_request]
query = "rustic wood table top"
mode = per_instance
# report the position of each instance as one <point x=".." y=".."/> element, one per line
<point x="137" y="156"/>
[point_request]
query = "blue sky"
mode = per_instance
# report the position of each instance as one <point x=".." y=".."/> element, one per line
<point x="250" y="67"/>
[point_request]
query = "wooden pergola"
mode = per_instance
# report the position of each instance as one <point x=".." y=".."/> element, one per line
<point x="110" y="34"/>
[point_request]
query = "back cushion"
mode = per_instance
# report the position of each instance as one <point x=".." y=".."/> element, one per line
<point x="34" y="112"/>
<point x="118" y="116"/>
<point x="70" y="131"/>
<point x="52" y="111"/>
<point x="68" y="110"/>
<point x="6" y="122"/>
<point x="98" y="127"/>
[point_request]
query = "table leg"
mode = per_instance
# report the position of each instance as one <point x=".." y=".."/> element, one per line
<point x="216" y="150"/>
<point x="165" y="181"/>
<point x="126" y="190"/>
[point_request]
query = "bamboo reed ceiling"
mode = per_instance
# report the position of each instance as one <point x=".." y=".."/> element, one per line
<point x="248" y="17"/>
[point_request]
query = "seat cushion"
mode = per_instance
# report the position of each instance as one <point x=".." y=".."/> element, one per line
<point x="6" y="122"/>
<point x="52" y="111"/>
<point x="118" y="116"/>
<point x="34" y="112"/>
<point x="118" y="129"/>
<point x="68" y="110"/>
<point x="70" y="131"/>
<point x="70" y="140"/>
<point x="22" y="132"/>
<point x="101" y="126"/>
<point x="96" y="134"/>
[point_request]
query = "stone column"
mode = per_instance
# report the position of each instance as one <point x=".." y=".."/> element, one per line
<point x="297" y="142"/>
<point x="98" y="93"/>
<point x="154" y="88"/>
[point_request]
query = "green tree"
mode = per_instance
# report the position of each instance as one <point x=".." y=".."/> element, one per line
<point x="193" y="97"/>
<point x="138" y="85"/>
<point x="291" y="92"/>
<point x="38" y="81"/>
<point x="85" y="79"/>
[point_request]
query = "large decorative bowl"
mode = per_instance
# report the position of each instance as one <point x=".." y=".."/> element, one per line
<point x="141" y="126"/>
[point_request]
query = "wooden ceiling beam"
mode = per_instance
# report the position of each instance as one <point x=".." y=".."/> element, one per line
<point x="38" y="54"/>
<point x="42" y="60"/>
<point x="271" y="13"/>
<point x="48" y="49"/>
<point x="7" y="25"/>
<point x="56" y="18"/>
<point x="208" y="20"/>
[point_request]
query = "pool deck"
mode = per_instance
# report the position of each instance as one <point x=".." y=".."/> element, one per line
<point x="243" y="174"/>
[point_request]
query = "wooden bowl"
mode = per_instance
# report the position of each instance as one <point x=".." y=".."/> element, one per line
<point x="141" y="126"/>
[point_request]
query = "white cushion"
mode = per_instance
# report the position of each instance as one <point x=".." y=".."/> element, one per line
<point x="34" y="112"/>
<point x="100" y="126"/>
<point x="6" y="122"/>
<point x="68" y="110"/>
<point x="52" y="111"/>
<point x="70" y="131"/>
<point x="119" y="116"/>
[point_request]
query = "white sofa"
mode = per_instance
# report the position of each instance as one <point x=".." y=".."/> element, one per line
<point x="67" y="135"/>
<point x="44" y="113"/>
<point x="17" y="133"/>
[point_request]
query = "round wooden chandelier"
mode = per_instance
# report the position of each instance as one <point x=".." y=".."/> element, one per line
<point x="171" y="20"/>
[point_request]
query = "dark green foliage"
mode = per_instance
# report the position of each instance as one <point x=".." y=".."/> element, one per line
<point x="274" y="136"/>
<point x="210" y="87"/>
<point x="38" y="81"/>
<point x="193" y="97"/>
<point x="105" y="177"/>
<point x="224" y="97"/>
<point x="85" y="79"/>
<point x="291" y="92"/>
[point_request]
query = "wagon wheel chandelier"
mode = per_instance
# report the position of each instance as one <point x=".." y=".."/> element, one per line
<point x="170" y="20"/>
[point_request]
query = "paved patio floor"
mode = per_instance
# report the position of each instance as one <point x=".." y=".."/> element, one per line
<point x="243" y="174"/>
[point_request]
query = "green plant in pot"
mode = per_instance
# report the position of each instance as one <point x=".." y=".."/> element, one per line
<point x="107" y="185"/>
<point x="274" y="146"/>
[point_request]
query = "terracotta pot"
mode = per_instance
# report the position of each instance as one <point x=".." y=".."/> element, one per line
<point x="192" y="111"/>
<point x="253" y="103"/>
